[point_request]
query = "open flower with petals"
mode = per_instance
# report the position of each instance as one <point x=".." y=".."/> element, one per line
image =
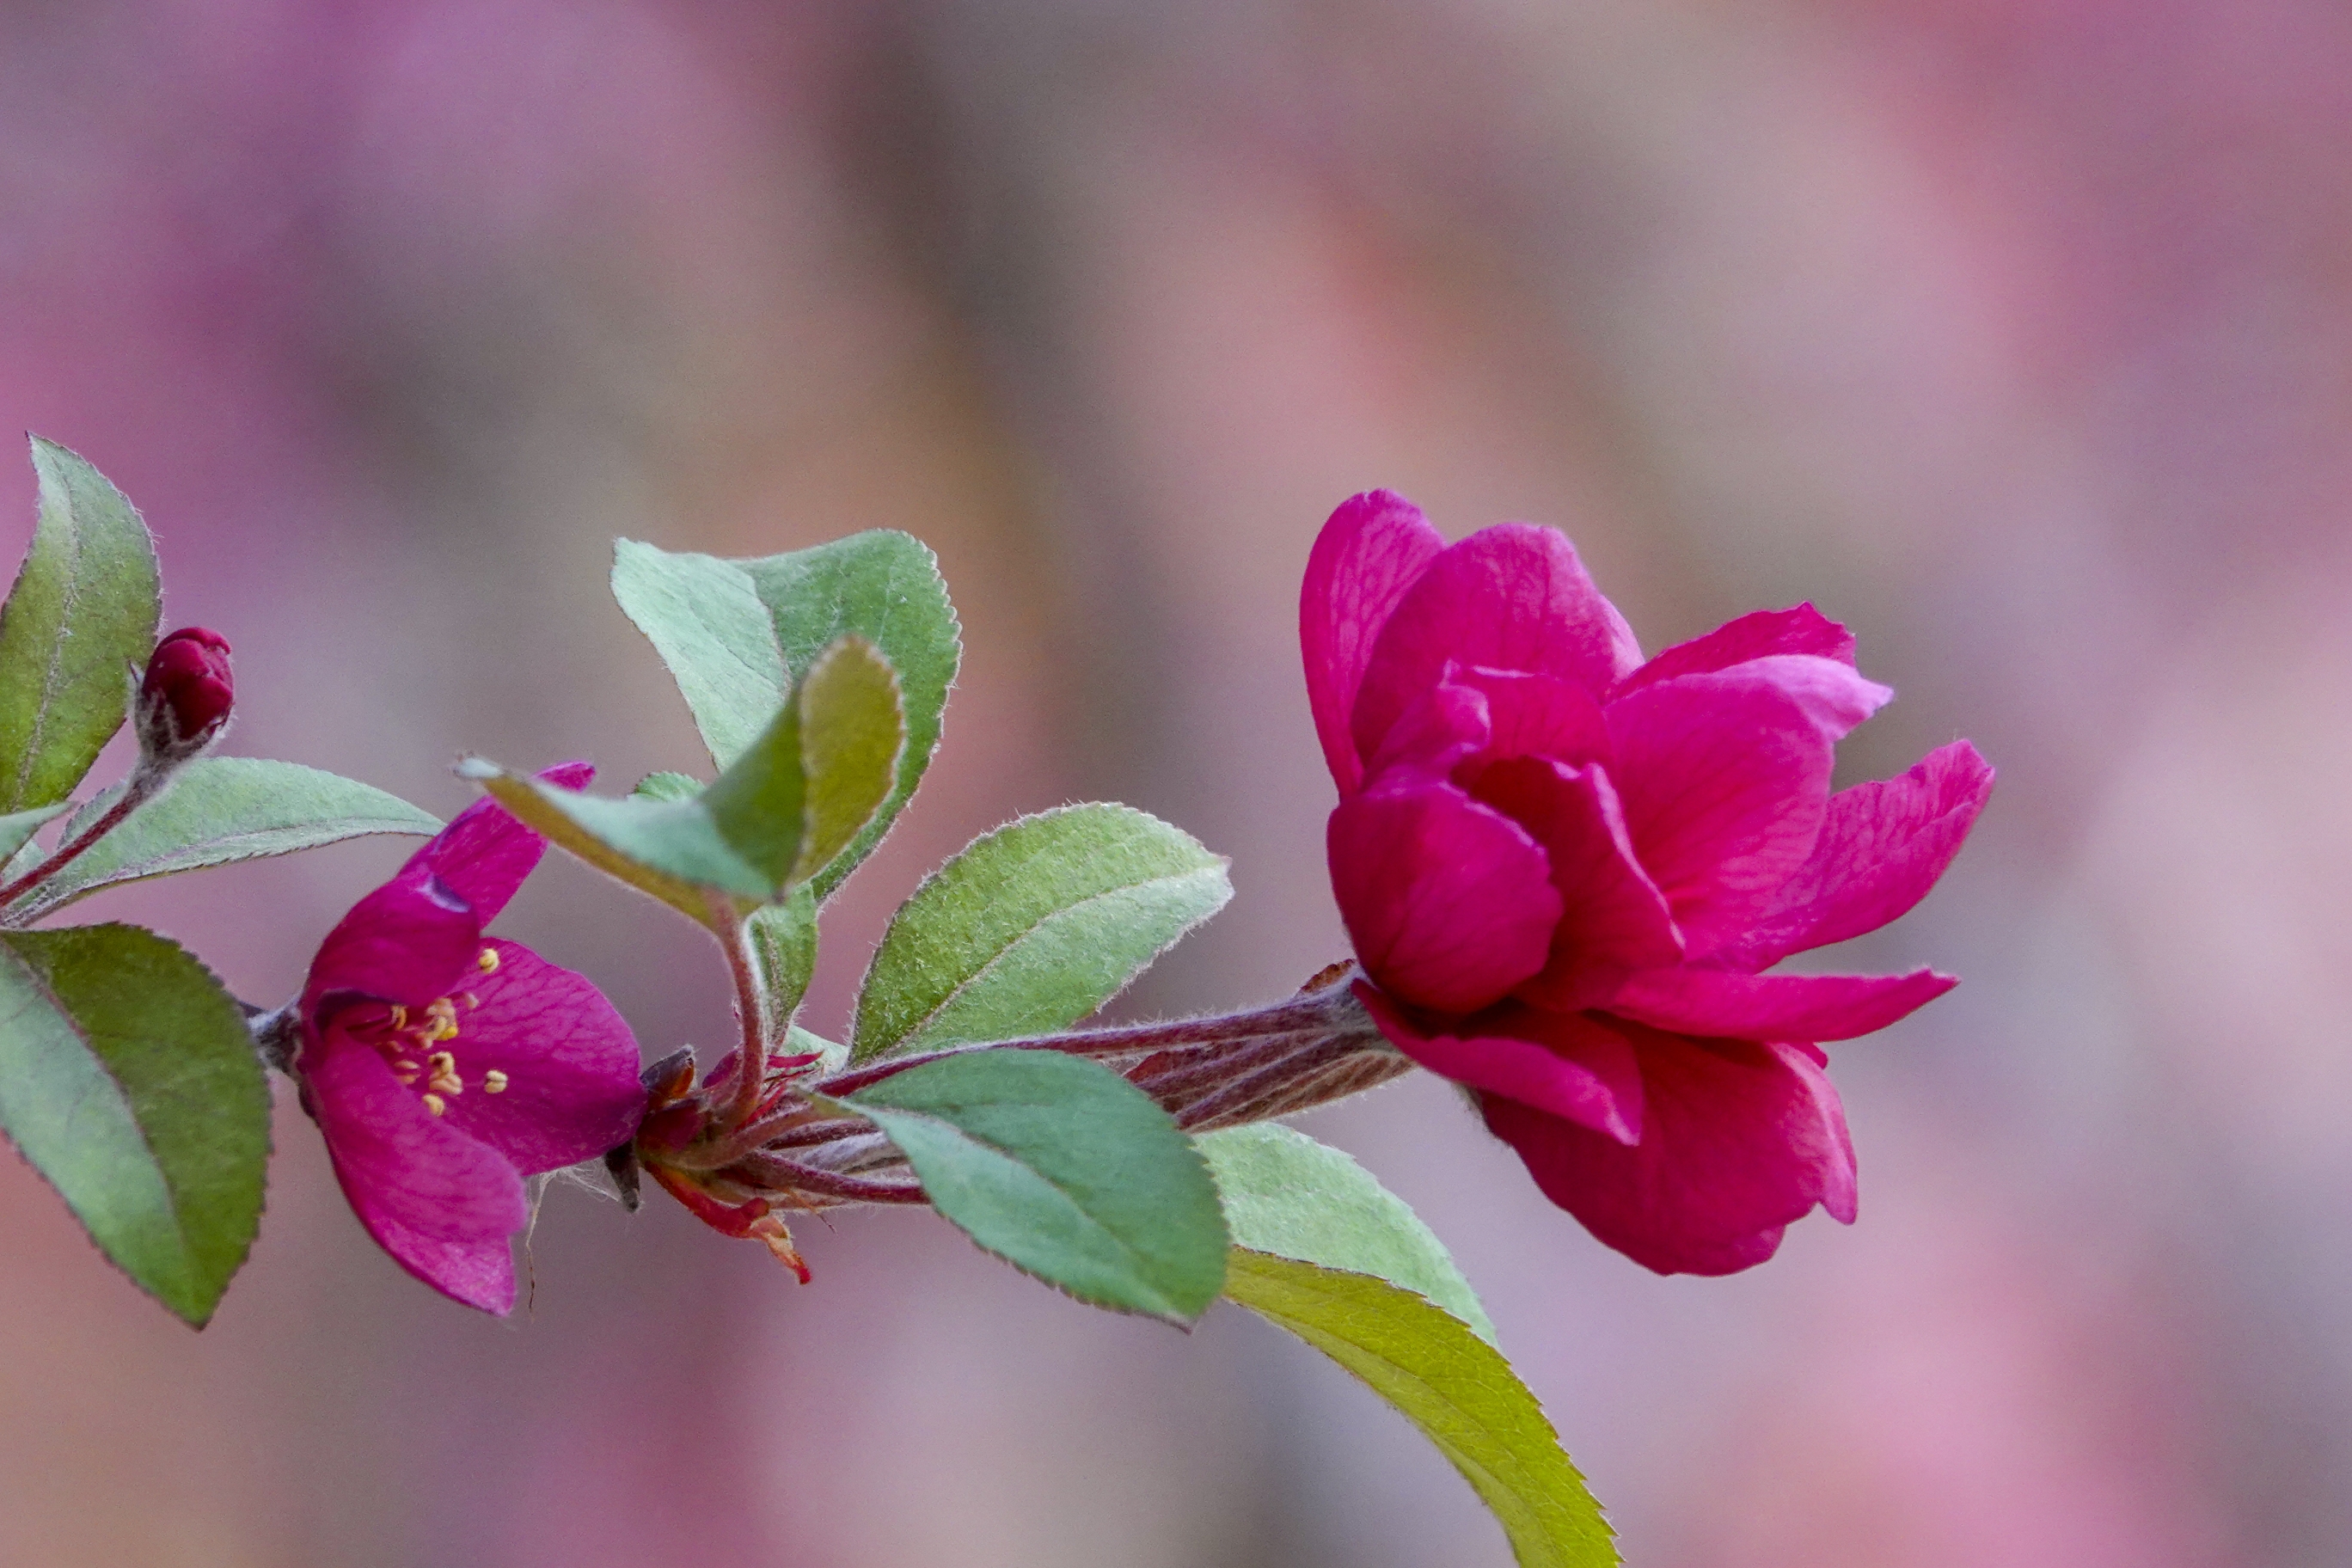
<point x="444" y="1067"/>
<point x="1566" y="870"/>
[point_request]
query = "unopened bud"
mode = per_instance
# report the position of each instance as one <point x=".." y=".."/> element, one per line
<point x="185" y="696"/>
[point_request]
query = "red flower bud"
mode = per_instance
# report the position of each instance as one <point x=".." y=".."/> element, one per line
<point x="185" y="696"/>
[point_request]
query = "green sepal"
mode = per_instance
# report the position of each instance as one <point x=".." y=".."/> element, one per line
<point x="128" y="1079"/>
<point x="77" y="624"/>
<point x="1064" y="1170"/>
<point x="1034" y="926"/>
<point x="1453" y="1386"/>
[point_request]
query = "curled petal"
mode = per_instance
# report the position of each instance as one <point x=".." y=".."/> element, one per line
<point x="1369" y="553"/>
<point x="406" y="942"/>
<point x="1801" y="629"/>
<point x="1564" y="1064"/>
<point x="485" y="853"/>
<point x="1725" y="780"/>
<point x="439" y="1201"/>
<point x="566" y="1063"/>
<point x="1882" y="846"/>
<point x="1538" y="716"/>
<point x="1774" y="1007"/>
<point x="1613" y="920"/>
<point x="1511" y="597"/>
<point x="1445" y="725"/>
<point x="1738" y="1140"/>
<point x="1449" y="903"/>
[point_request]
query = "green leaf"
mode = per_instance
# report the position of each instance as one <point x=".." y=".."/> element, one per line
<point x="759" y="804"/>
<point x="739" y="634"/>
<point x="852" y="730"/>
<point x="17" y="830"/>
<point x="128" y="1079"/>
<point x="1032" y="927"/>
<point x="81" y="616"/>
<point x="219" y="810"/>
<point x="885" y="587"/>
<point x="1064" y="1170"/>
<point x="668" y="786"/>
<point x="783" y="956"/>
<point x="670" y="849"/>
<point x="1452" y="1385"/>
<point x="704" y="619"/>
<point x="1288" y="1194"/>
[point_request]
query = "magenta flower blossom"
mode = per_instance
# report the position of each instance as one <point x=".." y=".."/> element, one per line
<point x="444" y="1067"/>
<point x="1565" y="871"/>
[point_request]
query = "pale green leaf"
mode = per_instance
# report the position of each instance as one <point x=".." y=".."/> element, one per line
<point x="1288" y="1194"/>
<point x="17" y="830"/>
<point x="1449" y="1383"/>
<point x="1032" y="927"/>
<point x="219" y="810"/>
<point x="783" y="955"/>
<point x="851" y="733"/>
<point x="759" y="804"/>
<point x="1064" y="1169"/>
<point x="708" y="624"/>
<point x="128" y="1079"/>
<point x="670" y="849"/>
<point x="668" y="786"/>
<point x="81" y="616"/>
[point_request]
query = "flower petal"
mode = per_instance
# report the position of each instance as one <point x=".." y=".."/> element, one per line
<point x="1725" y="780"/>
<point x="1613" y="920"/>
<point x="1445" y="725"/>
<point x="570" y="1089"/>
<point x="1737" y="1141"/>
<point x="1801" y="629"/>
<point x="1514" y="596"/>
<point x="440" y="1202"/>
<point x="406" y="942"/>
<point x="485" y="853"/>
<point x="1538" y="716"/>
<point x="1882" y="847"/>
<point x="1449" y="904"/>
<point x="1560" y="1063"/>
<point x="1774" y="1007"/>
<point x="1368" y="554"/>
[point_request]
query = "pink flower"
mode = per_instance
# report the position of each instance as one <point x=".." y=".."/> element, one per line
<point x="444" y="1068"/>
<point x="1565" y="871"/>
<point x="185" y="693"/>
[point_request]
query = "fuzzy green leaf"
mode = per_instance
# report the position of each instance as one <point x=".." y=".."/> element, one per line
<point x="708" y="624"/>
<point x="1288" y="1194"/>
<point x="1032" y="927"/>
<point x="1064" y="1169"/>
<point x="759" y="805"/>
<point x="1452" y="1385"/>
<point x="852" y="730"/>
<point x="219" y="810"/>
<point x="668" y="786"/>
<point x="783" y="956"/>
<point x="669" y="849"/>
<point x="128" y="1079"/>
<point x="885" y="587"/>
<point x="17" y="830"/>
<point x="81" y="616"/>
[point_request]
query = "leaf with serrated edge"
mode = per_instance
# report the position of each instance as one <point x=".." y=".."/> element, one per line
<point x="1289" y="1195"/>
<point x="1452" y="1385"/>
<point x="852" y="729"/>
<point x="220" y="810"/>
<point x="704" y="619"/>
<point x="1032" y="927"/>
<point x="16" y="828"/>
<point x="129" y="1080"/>
<point x="669" y="849"/>
<point x="668" y="786"/>
<point x="885" y="587"/>
<point x="81" y="616"/>
<point x="1064" y="1170"/>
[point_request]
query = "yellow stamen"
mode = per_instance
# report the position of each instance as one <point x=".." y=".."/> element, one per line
<point x="494" y="1082"/>
<point x="444" y="1073"/>
<point x="399" y="1016"/>
<point x="487" y="961"/>
<point x="435" y="1104"/>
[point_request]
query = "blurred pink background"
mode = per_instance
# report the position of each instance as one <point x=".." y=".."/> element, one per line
<point x="2018" y="336"/>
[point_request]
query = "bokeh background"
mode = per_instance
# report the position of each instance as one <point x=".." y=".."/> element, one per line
<point x="2018" y="335"/>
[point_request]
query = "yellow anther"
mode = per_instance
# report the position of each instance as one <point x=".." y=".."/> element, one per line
<point x="494" y="1082"/>
<point x="444" y="1073"/>
<point x="435" y="1104"/>
<point x="399" y="1016"/>
<point x="487" y="961"/>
